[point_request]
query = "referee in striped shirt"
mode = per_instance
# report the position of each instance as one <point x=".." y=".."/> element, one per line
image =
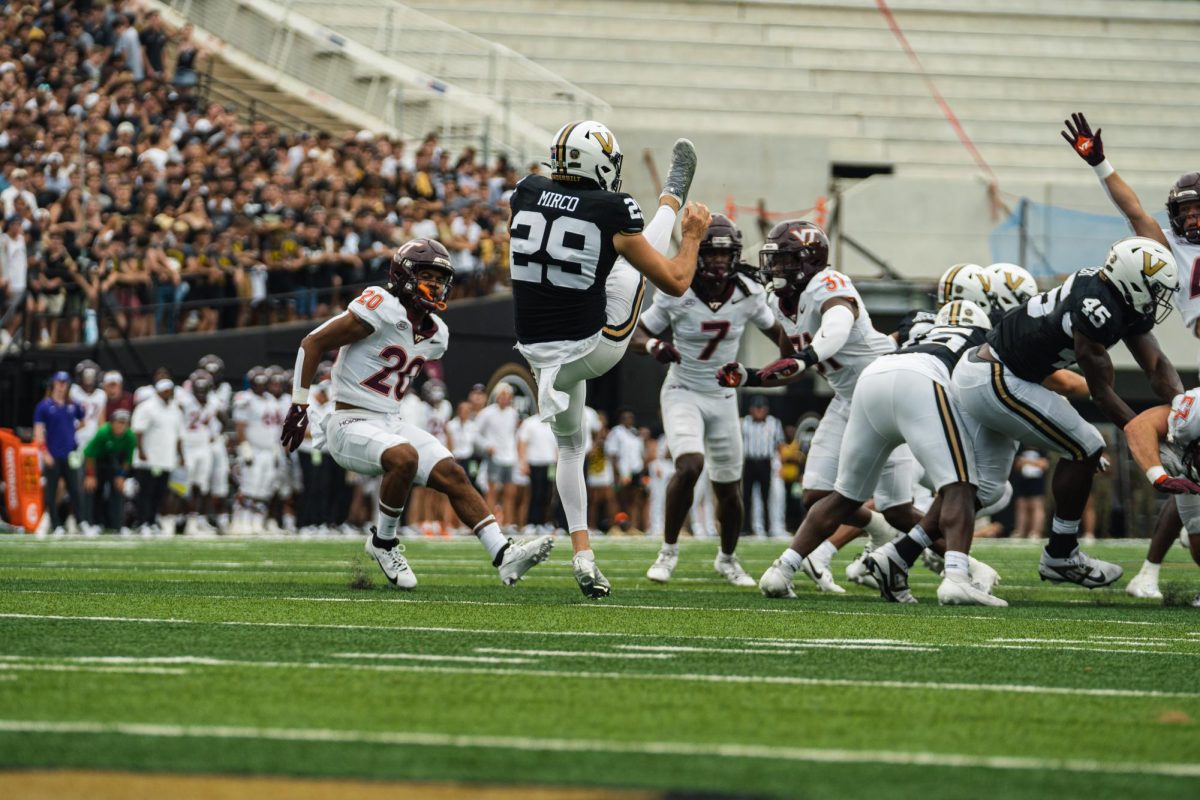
<point x="762" y="435"/>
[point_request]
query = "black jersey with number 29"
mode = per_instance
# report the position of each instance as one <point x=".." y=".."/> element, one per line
<point x="561" y="252"/>
<point x="1038" y="338"/>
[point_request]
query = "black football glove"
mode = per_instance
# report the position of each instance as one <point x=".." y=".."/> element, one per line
<point x="293" y="427"/>
<point x="1079" y="135"/>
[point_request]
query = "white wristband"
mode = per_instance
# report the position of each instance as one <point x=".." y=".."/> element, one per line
<point x="1103" y="169"/>
<point x="1154" y="473"/>
<point x="299" y="396"/>
<point x="651" y="344"/>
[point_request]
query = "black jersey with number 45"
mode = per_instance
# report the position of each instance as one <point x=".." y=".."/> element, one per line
<point x="1038" y="338"/>
<point x="947" y="343"/>
<point x="561" y="252"/>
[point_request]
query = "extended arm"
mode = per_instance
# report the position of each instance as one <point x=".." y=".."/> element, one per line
<point x="1098" y="370"/>
<point x="342" y="330"/>
<point x="669" y="275"/>
<point x="1145" y="433"/>
<point x="1090" y="148"/>
<point x="1067" y="383"/>
<point x="1164" y="379"/>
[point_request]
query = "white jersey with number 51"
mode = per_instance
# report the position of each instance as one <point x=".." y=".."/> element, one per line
<point x="864" y="345"/>
<point x="375" y="372"/>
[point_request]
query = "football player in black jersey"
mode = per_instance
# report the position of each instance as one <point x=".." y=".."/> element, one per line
<point x="579" y="261"/>
<point x="1003" y="383"/>
<point x="902" y="398"/>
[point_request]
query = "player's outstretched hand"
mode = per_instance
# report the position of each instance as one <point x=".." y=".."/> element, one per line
<point x="665" y="352"/>
<point x="732" y="375"/>
<point x="1079" y="135"/>
<point x="695" y="219"/>
<point x="294" y="427"/>
<point x="782" y="369"/>
<point x="1169" y="485"/>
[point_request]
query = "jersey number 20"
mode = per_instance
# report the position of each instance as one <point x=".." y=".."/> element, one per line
<point x="566" y="250"/>
<point x="407" y="370"/>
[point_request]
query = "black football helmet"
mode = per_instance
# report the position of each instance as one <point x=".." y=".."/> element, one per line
<point x="794" y="252"/>
<point x="720" y="252"/>
<point x="421" y="255"/>
<point x="202" y="383"/>
<point x="257" y="378"/>
<point x="1186" y="190"/>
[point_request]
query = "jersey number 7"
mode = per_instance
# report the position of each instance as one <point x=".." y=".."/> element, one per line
<point x="721" y="328"/>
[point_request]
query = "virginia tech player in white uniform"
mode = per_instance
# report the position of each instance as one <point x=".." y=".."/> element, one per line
<point x="383" y="340"/>
<point x="827" y="326"/>
<point x="257" y="423"/>
<point x="580" y="256"/>
<point x="201" y="425"/>
<point x="700" y="416"/>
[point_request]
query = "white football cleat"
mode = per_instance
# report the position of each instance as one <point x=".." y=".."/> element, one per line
<point x="823" y="578"/>
<point x="591" y="580"/>
<point x="520" y="558"/>
<point x="890" y="573"/>
<point x="729" y="568"/>
<point x="1143" y="586"/>
<point x="1079" y="568"/>
<point x="857" y="572"/>
<point x="777" y="581"/>
<point x="392" y="562"/>
<point x="662" y="568"/>
<point x="982" y="575"/>
<point x="962" y="592"/>
<point x="933" y="562"/>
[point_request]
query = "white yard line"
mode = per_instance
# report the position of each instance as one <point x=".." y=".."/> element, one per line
<point x="1111" y="641"/>
<point x="35" y="662"/>
<point x="429" y="657"/>
<point x="685" y="749"/>
<point x="571" y="653"/>
<point x="33" y="667"/>
<point x="789" y="649"/>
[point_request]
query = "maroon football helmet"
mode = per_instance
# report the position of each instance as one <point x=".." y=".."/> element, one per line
<point x="720" y="252"/>
<point x="1185" y="192"/>
<point x="794" y="252"/>
<point x="412" y="258"/>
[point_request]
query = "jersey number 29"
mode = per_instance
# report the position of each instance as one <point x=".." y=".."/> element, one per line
<point x="565" y="251"/>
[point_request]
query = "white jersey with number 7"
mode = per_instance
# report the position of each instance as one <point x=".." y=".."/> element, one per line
<point x="864" y="345"/>
<point x="375" y="372"/>
<point x="707" y="334"/>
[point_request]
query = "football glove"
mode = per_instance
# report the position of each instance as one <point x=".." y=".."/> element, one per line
<point x="789" y="367"/>
<point x="1169" y="485"/>
<point x="294" y="427"/>
<point x="1087" y="144"/>
<point x="663" y="352"/>
<point x="733" y="375"/>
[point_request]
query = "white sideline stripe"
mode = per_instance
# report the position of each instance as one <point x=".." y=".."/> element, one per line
<point x="784" y="680"/>
<point x="569" y="653"/>
<point x="428" y="657"/>
<point x="777" y="649"/>
<point x="763" y="752"/>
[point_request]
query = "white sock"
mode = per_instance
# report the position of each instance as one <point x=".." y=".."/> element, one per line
<point x="957" y="565"/>
<point x="1066" y="527"/>
<point x="586" y="555"/>
<point x="658" y="230"/>
<point x="791" y="559"/>
<point x="879" y="530"/>
<point x="490" y="536"/>
<point x="824" y="553"/>
<point x="1150" y="570"/>
<point x="918" y="535"/>
<point x="670" y="549"/>
<point x="389" y="518"/>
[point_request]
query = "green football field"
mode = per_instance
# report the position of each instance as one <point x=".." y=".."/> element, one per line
<point x="295" y="658"/>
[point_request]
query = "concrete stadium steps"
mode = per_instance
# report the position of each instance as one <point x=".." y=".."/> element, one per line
<point x="1011" y="69"/>
<point x="297" y="112"/>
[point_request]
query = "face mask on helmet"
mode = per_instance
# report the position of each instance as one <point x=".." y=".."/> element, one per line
<point x="421" y="275"/>
<point x="790" y="270"/>
<point x="433" y="288"/>
<point x="1184" y="197"/>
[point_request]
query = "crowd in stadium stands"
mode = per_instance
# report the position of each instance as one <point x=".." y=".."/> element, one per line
<point x="131" y="206"/>
<point x="176" y="458"/>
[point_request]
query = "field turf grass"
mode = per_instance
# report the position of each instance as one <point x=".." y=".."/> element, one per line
<point x="294" y="658"/>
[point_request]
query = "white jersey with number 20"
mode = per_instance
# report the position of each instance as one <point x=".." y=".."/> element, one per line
<point x="375" y="372"/>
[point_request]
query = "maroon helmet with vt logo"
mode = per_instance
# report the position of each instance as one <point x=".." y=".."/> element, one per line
<point x="794" y="252"/>
<point x="406" y="279"/>
<point x="719" y="253"/>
